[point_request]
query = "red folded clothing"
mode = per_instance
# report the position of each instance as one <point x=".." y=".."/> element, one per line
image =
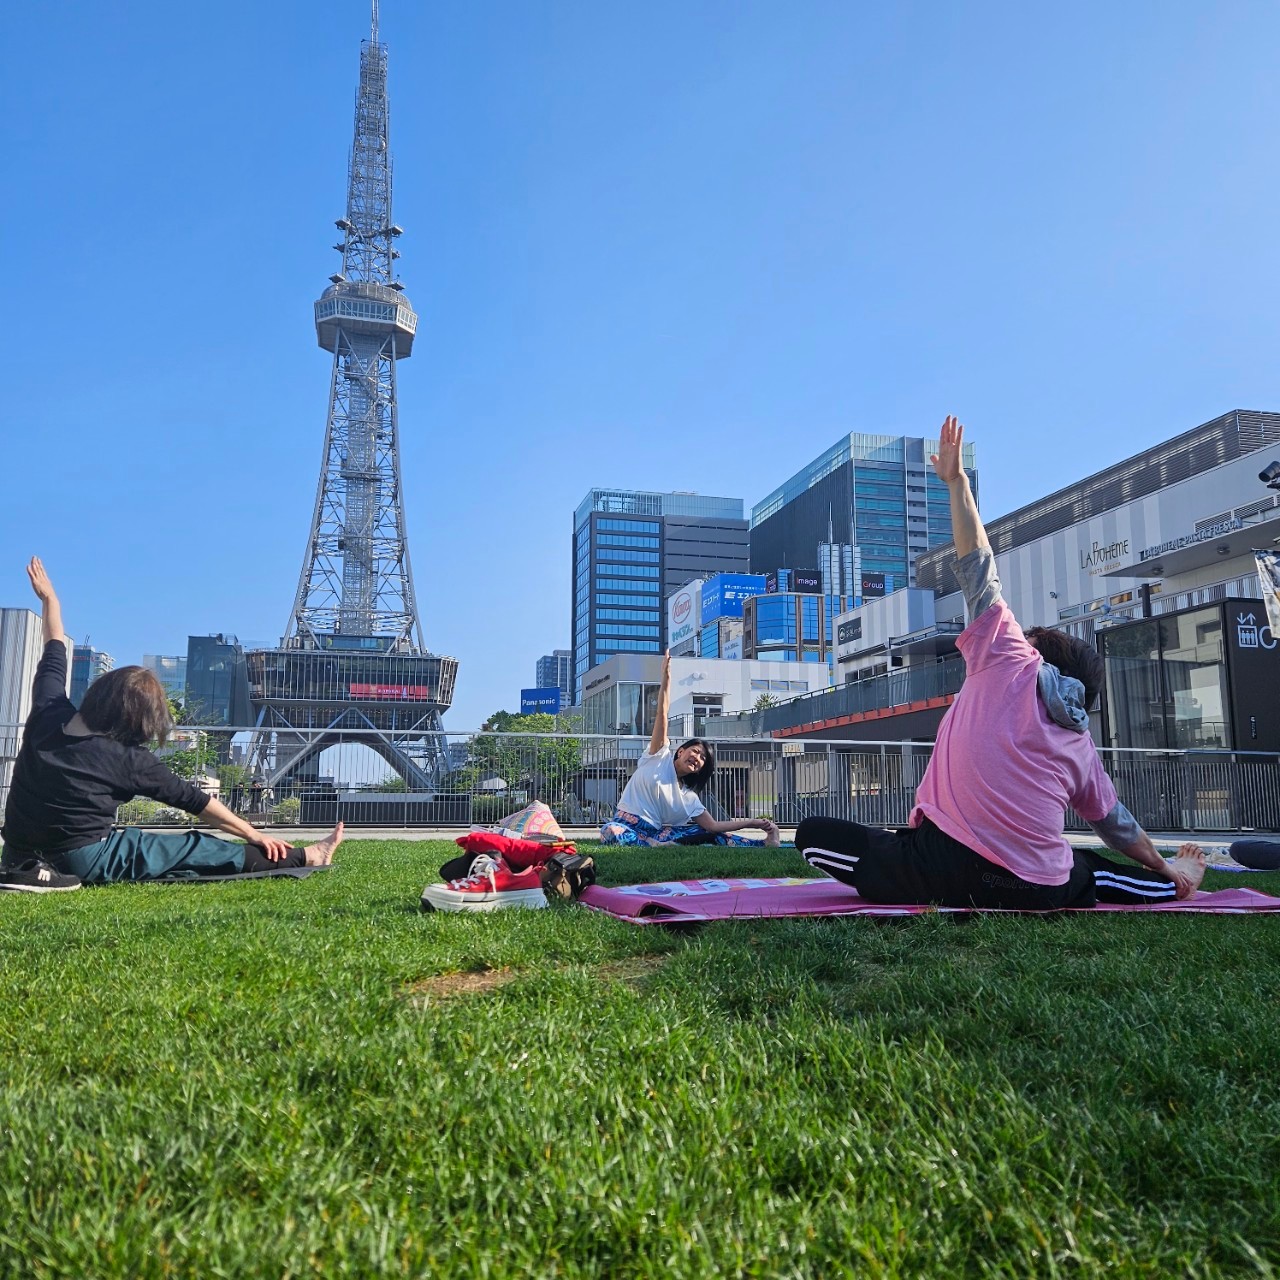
<point x="517" y="854"/>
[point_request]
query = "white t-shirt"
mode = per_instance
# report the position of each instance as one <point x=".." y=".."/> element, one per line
<point x="657" y="795"/>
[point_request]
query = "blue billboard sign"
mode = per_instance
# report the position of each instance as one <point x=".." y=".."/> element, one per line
<point x="540" y="701"/>
<point x="722" y="596"/>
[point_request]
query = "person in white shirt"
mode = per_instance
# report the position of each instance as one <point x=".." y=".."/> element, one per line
<point x="662" y="804"/>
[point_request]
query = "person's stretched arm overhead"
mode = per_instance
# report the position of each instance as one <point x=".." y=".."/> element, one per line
<point x="659" y="738"/>
<point x="50" y="682"/>
<point x="975" y="565"/>
<point x="50" y="608"/>
<point x="966" y="526"/>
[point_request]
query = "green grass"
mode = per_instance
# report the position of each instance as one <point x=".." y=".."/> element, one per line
<point x="293" y="1078"/>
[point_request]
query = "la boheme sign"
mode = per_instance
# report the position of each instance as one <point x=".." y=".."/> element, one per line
<point x="1104" y="555"/>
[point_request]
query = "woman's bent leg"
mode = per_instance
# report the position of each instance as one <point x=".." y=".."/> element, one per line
<point x="622" y="828"/>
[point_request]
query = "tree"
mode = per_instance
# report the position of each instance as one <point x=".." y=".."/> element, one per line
<point x="542" y="765"/>
<point x="764" y="702"/>
<point x="196" y="761"/>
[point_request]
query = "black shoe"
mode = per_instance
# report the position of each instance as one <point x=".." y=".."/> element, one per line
<point x="35" y="876"/>
<point x="567" y="874"/>
<point x="458" y="868"/>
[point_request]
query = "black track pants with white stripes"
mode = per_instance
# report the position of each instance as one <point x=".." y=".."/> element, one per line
<point x="924" y="864"/>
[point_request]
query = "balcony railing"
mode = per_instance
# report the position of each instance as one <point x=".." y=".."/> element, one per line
<point x="898" y="688"/>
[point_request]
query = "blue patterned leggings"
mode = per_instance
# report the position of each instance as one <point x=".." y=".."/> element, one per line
<point x="626" y="828"/>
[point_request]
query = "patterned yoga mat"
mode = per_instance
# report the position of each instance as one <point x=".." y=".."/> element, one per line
<point x="695" y="901"/>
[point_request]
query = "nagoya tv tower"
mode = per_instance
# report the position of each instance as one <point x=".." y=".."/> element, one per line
<point x="352" y="664"/>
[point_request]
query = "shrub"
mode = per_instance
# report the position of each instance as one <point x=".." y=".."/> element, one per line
<point x="140" y="812"/>
<point x="288" y="811"/>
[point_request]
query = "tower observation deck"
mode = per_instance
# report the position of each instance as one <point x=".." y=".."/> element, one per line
<point x="352" y="665"/>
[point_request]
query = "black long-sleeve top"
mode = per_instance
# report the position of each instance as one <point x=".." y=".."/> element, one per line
<point x="66" y="788"/>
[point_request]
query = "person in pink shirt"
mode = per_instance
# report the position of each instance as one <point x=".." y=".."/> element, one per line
<point x="1013" y="753"/>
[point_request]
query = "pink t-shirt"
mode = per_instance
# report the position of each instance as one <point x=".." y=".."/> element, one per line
<point x="1003" y="772"/>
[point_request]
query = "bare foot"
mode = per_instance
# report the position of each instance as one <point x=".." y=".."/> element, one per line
<point x="321" y="853"/>
<point x="772" y="836"/>
<point x="1188" y="869"/>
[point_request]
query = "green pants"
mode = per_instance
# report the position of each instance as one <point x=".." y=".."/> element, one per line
<point x="130" y="854"/>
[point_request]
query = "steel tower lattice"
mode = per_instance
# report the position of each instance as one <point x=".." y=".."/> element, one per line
<point x="356" y="577"/>
<point x="352" y="665"/>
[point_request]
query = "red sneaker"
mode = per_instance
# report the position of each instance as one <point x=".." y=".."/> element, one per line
<point x="491" y="886"/>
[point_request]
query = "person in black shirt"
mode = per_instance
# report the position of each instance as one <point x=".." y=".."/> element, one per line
<point x="75" y="767"/>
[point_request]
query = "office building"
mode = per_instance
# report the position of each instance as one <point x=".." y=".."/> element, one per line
<point x="87" y="664"/>
<point x="217" y="689"/>
<point x="170" y="670"/>
<point x="874" y="493"/>
<point x="556" y="669"/>
<point x="631" y="550"/>
<point x="1170" y="527"/>
<point x="788" y="626"/>
<point x="722" y="600"/>
<point x="1166" y="531"/>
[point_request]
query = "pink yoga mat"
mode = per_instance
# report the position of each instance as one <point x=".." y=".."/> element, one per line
<point x="691" y="901"/>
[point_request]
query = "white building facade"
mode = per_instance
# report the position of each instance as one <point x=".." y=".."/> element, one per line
<point x="21" y="644"/>
<point x="620" y="696"/>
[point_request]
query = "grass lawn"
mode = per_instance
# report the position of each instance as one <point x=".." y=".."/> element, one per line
<point x="288" y="1078"/>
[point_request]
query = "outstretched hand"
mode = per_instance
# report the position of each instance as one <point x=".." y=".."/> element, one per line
<point x="946" y="462"/>
<point x="40" y="583"/>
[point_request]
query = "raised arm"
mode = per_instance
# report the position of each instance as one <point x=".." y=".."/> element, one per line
<point x="966" y="527"/>
<point x="976" y="573"/>
<point x="50" y="608"/>
<point x="659" y="738"/>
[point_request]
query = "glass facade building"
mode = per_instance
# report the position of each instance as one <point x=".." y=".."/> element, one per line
<point x="170" y="670"/>
<point x="788" y="627"/>
<point x="1205" y="678"/>
<point x="555" y="671"/>
<point x="875" y="493"/>
<point x="217" y="689"/>
<point x="631" y="550"/>
<point x="87" y="664"/>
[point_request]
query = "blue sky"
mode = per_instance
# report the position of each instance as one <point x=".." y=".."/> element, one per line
<point x="677" y="245"/>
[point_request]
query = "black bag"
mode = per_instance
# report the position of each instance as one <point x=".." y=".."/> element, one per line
<point x="567" y="874"/>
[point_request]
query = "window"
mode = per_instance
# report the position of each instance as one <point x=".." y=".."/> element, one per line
<point x="625" y="540"/>
<point x="620" y="629"/>
<point x="627" y="557"/>
<point x="628" y="526"/>
<point x="628" y="615"/>
<point x="628" y="570"/>
<point x="639" y="601"/>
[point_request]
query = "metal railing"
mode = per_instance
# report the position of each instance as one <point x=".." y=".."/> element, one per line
<point x="482" y="777"/>
<point x="897" y="688"/>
